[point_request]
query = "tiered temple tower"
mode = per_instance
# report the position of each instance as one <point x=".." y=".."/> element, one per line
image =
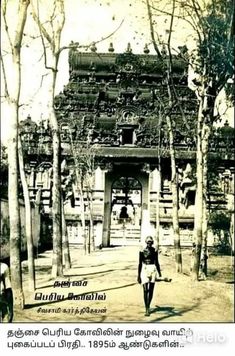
<point x="114" y="111"/>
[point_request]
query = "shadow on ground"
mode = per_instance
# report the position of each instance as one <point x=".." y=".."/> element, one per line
<point x="170" y="311"/>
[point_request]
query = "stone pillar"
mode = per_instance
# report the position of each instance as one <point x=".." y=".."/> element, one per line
<point x="99" y="179"/>
<point x="156" y="180"/>
<point x="36" y="217"/>
<point x="107" y="210"/>
<point x="98" y="233"/>
<point x="46" y="179"/>
<point x="32" y="177"/>
<point x="145" y="190"/>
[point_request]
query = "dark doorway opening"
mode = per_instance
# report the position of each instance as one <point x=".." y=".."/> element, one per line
<point x="127" y="136"/>
<point x="126" y="210"/>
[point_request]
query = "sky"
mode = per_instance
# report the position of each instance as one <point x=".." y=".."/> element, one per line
<point x="86" y="21"/>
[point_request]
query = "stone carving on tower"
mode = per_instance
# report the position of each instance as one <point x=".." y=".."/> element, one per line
<point x="114" y="104"/>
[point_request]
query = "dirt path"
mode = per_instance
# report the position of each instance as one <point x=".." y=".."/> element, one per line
<point x="111" y="274"/>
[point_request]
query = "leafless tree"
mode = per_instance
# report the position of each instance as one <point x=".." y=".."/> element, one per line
<point x="28" y="218"/>
<point x="167" y="108"/>
<point x="212" y="26"/>
<point x="50" y="32"/>
<point x="84" y="164"/>
<point x="212" y="63"/>
<point x="12" y="90"/>
<point x="65" y="241"/>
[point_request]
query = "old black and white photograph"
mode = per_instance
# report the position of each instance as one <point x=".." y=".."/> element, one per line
<point x="117" y="162"/>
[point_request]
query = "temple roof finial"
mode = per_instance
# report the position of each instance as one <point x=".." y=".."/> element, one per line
<point x="128" y="49"/>
<point x="164" y="50"/>
<point x="111" y="48"/>
<point x="93" y="47"/>
<point x="146" y="49"/>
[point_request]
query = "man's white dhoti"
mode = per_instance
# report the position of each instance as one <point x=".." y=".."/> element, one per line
<point x="148" y="273"/>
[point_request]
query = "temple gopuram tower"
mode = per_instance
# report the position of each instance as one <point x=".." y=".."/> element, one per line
<point x="113" y="111"/>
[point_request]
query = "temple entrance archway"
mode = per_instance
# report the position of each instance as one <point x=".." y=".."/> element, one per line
<point x="125" y="204"/>
<point x="126" y="200"/>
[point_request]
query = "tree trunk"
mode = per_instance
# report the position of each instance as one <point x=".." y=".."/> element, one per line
<point x="157" y="234"/>
<point x="198" y="217"/>
<point x="13" y="96"/>
<point x="92" y="236"/>
<point x="174" y="182"/>
<point x="51" y="45"/>
<point x="205" y="114"/>
<point x="57" y="261"/>
<point x="37" y="218"/>
<point x="79" y="184"/>
<point x="204" y="255"/>
<point x="175" y="203"/>
<point x="28" y="219"/>
<point x="89" y="239"/>
<point x="83" y="219"/>
<point x="66" y="252"/>
<point x="14" y="211"/>
<point x="231" y="234"/>
<point x="206" y="134"/>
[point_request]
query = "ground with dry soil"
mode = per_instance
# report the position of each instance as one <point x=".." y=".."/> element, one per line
<point x="111" y="274"/>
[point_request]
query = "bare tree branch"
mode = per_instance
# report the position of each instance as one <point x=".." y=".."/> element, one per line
<point x="40" y="85"/>
<point x="20" y="26"/>
<point x="198" y="11"/>
<point x="152" y="30"/>
<point x="4" y="77"/>
<point x="73" y="46"/>
<point x="60" y="25"/>
<point x="184" y="7"/>
<point x="169" y="36"/>
<point x="43" y="34"/>
<point x="45" y="52"/>
<point x="52" y="18"/>
<point x="42" y="29"/>
<point x="4" y="13"/>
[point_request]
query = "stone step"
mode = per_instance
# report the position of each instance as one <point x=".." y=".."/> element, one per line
<point x="126" y="229"/>
<point x="127" y="233"/>
<point x="124" y="242"/>
<point x="130" y="236"/>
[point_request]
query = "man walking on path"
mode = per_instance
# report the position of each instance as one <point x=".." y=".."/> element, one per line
<point x="147" y="271"/>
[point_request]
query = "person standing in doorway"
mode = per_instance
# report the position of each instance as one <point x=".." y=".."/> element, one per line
<point x="147" y="271"/>
<point x="123" y="213"/>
